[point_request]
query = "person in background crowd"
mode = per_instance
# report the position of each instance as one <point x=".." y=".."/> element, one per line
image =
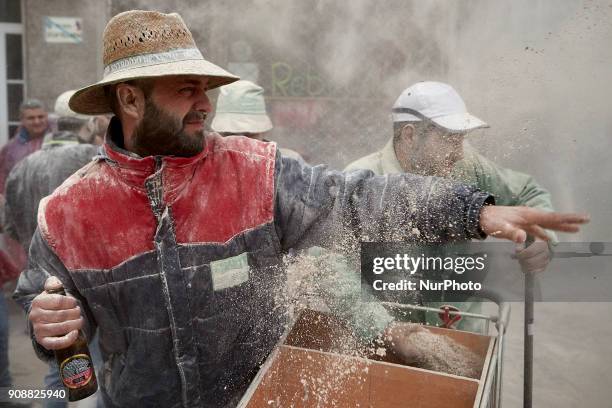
<point x="33" y="126"/>
<point x="430" y="123"/>
<point x="36" y="176"/>
<point x="63" y="152"/>
<point x="175" y="236"/>
<point x="241" y="110"/>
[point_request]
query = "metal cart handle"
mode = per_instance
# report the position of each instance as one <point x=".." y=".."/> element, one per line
<point x="503" y="317"/>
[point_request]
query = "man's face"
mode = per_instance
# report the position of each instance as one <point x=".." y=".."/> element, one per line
<point x="435" y="152"/>
<point x="34" y="121"/>
<point x="173" y="120"/>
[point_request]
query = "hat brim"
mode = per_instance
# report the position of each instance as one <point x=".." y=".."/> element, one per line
<point x="241" y="123"/>
<point x="91" y="100"/>
<point x="460" y="122"/>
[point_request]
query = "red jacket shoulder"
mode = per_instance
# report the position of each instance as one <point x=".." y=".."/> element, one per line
<point x="241" y="144"/>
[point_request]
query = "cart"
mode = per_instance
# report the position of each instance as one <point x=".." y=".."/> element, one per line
<point x="310" y="367"/>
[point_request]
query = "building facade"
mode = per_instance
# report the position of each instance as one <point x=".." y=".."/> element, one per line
<point x="327" y="88"/>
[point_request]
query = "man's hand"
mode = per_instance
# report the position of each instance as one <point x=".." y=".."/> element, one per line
<point x="514" y="223"/>
<point x="56" y="319"/>
<point x="535" y="257"/>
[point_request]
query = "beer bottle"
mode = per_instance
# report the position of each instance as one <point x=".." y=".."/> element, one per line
<point x="75" y="365"/>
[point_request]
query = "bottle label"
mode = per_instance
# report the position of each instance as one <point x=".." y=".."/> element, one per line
<point x="76" y="371"/>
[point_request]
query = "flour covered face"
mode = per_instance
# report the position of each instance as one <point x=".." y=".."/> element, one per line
<point x="162" y="133"/>
<point x="172" y="123"/>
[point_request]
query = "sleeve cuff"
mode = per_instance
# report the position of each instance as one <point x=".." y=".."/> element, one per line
<point x="479" y="200"/>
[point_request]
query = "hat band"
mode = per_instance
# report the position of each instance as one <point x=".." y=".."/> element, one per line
<point x="144" y="60"/>
<point x="412" y="112"/>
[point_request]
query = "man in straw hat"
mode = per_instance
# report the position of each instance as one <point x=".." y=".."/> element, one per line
<point x="169" y="243"/>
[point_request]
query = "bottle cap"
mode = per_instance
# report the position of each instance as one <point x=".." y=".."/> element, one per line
<point x="57" y="291"/>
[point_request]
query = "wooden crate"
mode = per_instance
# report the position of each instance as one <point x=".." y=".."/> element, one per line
<point x="316" y="366"/>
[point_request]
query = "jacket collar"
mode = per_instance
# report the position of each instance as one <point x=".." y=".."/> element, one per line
<point x="23" y="136"/>
<point x="388" y="158"/>
<point x="134" y="169"/>
<point x="59" y="138"/>
<point x="115" y="152"/>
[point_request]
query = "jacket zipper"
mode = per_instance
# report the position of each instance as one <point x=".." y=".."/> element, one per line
<point x="155" y="190"/>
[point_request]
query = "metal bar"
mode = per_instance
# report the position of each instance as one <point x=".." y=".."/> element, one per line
<point x="489" y="380"/>
<point x="492" y="318"/>
<point x="528" y="352"/>
<point x="500" y="364"/>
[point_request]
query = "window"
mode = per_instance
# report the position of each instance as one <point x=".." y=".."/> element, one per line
<point x="11" y="67"/>
<point x="10" y="11"/>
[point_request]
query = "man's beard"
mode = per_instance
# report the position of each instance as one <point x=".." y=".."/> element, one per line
<point x="435" y="169"/>
<point x="161" y="134"/>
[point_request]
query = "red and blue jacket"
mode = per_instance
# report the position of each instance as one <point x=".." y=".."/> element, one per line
<point x="177" y="261"/>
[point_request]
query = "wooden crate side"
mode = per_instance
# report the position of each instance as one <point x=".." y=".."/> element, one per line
<point x="313" y="370"/>
<point x="320" y="331"/>
<point x="393" y="386"/>
<point x="307" y="378"/>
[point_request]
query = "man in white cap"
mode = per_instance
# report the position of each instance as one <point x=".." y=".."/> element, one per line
<point x="170" y="242"/>
<point x="241" y="110"/>
<point x="430" y="122"/>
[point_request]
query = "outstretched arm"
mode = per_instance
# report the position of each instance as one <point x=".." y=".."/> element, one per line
<point x="316" y="206"/>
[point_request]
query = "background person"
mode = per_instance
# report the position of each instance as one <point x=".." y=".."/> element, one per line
<point x="241" y="110"/>
<point x="63" y="152"/>
<point x="33" y="126"/>
<point x="35" y="177"/>
<point x="430" y="123"/>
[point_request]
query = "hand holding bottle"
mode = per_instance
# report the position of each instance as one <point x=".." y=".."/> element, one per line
<point x="56" y="319"/>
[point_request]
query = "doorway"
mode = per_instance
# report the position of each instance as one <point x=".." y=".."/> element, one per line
<point x="12" y="82"/>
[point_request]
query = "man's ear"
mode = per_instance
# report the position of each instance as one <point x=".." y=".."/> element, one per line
<point x="407" y="134"/>
<point x="130" y="100"/>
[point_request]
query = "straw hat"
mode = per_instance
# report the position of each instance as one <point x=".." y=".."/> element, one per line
<point x="241" y="109"/>
<point x="145" y="44"/>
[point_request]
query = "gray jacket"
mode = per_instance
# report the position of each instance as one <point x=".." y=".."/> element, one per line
<point x="35" y="177"/>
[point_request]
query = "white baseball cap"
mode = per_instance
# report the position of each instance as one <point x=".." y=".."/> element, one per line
<point x="437" y="102"/>
<point x="241" y="108"/>
<point x="62" y="109"/>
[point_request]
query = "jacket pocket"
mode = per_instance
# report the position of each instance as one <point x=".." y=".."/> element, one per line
<point x="113" y="367"/>
<point x="148" y="361"/>
<point x="229" y="272"/>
